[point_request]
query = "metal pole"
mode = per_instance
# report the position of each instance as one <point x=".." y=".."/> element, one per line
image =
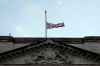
<point x="46" y="24"/>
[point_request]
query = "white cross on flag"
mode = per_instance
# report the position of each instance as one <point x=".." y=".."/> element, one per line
<point x="50" y="25"/>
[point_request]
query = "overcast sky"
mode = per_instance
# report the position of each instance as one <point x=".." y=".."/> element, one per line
<point x="25" y="18"/>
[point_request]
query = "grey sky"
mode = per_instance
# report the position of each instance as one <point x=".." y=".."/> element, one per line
<point x="26" y="17"/>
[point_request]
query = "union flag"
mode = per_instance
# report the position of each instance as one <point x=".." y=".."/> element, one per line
<point x="50" y="25"/>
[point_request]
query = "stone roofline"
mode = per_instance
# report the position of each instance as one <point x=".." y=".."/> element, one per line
<point x="71" y="40"/>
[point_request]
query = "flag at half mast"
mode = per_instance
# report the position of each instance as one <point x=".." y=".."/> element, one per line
<point x="51" y="26"/>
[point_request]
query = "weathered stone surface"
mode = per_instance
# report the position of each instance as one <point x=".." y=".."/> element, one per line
<point x="49" y="52"/>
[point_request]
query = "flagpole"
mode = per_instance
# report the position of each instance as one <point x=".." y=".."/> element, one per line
<point x="46" y="24"/>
